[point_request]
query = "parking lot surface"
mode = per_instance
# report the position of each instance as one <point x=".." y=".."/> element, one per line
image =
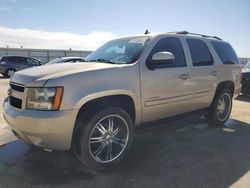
<point x="183" y="154"/>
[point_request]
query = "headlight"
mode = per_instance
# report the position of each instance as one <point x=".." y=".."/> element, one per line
<point x="44" y="98"/>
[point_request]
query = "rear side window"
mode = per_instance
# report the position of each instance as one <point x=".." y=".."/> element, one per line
<point x="173" y="45"/>
<point x="226" y="52"/>
<point x="200" y="53"/>
<point x="20" y="60"/>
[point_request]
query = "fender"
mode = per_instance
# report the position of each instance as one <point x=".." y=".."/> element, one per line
<point x="135" y="98"/>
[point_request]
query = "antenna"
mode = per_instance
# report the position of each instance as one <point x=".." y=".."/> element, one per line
<point x="146" y="32"/>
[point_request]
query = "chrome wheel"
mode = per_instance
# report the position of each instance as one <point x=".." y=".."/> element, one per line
<point x="108" y="138"/>
<point x="224" y="106"/>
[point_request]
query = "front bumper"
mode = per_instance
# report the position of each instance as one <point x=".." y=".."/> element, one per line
<point x="49" y="129"/>
<point x="237" y="90"/>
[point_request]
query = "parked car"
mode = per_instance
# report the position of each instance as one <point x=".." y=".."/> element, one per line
<point x="11" y="64"/>
<point x="246" y="80"/>
<point x="93" y="107"/>
<point x="67" y="60"/>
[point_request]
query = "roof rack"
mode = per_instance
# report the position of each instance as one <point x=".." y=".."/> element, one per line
<point x="188" y="33"/>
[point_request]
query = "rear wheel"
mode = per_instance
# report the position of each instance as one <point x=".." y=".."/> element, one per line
<point x="106" y="138"/>
<point x="220" y="109"/>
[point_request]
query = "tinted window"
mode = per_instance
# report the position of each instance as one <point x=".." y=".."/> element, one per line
<point x="32" y="62"/>
<point x="225" y="52"/>
<point x="4" y="59"/>
<point x="74" y="60"/>
<point x="199" y="53"/>
<point x="173" y="45"/>
<point x="19" y="60"/>
<point x="69" y="60"/>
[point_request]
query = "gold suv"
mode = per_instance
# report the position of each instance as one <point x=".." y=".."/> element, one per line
<point x="92" y="107"/>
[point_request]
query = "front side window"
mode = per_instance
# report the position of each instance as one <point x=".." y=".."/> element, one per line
<point x="120" y="51"/>
<point x="226" y="52"/>
<point x="172" y="45"/>
<point x="32" y="62"/>
<point x="199" y="52"/>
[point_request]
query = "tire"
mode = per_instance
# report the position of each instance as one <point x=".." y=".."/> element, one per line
<point x="220" y="108"/>
<point x="9" y="73"/>
<point x="106" y="138"/>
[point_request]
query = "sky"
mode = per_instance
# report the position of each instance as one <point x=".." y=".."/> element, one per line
<point x="87" y="24"/>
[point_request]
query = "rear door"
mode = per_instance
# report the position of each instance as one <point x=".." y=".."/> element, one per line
<point x="167" y="90"/>
<point x="203" y="72"/>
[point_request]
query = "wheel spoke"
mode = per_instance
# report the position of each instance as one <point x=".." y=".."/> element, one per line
<point x="219" y="109"/>
<point x="220" y="102"/>
<point x="109" y="152"/>
<point x="100" y="149"/>
<point x="111" y="124"/>
<point x="117" y="130"/>
<point x="96" y="140"/>
<point x="223" y="101"/>
<point x="101" y="128"/>
<point x="119" y="141"/>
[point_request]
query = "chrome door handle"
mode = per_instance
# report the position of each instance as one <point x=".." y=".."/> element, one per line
<point x="184" y="76"/>
<point x="214" y="73"/>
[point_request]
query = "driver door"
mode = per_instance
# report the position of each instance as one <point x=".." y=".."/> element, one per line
<point x="168" y="89"/>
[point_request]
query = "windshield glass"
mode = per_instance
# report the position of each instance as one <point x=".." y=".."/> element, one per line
<point x="57" y="60"/>
<point x="120" y="51"/>
<point x="247" y="66"/>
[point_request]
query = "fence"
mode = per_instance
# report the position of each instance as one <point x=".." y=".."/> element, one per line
<point x="43" y="54"/>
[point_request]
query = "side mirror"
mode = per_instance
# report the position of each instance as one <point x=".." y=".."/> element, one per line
<point x="161" y="59"/>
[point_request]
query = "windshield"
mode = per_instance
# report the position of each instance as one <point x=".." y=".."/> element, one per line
<point x="120" y="51"/>
<point x="57" y="60"/>
<point x="247" y="66"/>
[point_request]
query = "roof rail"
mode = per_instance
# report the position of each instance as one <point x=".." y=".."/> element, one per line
<point x="188" y="33"/>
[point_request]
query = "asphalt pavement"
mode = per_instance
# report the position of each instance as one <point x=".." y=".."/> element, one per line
<point x="184" y="154"/>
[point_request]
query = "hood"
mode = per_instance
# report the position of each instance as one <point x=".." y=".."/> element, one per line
<point x="37" y="76"/>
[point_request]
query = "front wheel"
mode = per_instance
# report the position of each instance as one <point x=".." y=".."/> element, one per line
<point x="9" y="73"/>
<point x="220" y="109"/>
<point x="106" y="138"/>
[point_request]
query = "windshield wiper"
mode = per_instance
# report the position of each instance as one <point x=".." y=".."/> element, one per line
<point x="102" y="60"/>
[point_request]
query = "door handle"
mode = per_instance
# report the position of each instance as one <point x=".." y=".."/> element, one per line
<point x="214" y="73"/>
<point x="184" y="76"/>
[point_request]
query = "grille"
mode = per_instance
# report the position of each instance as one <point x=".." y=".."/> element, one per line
<point x="15" y="102"/>
<point x="17" y="87"/>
